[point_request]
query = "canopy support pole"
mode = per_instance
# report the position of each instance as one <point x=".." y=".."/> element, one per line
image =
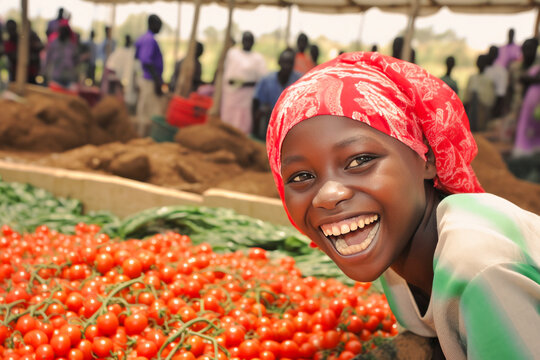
<point x="177" y="33"/>
<point x="214" y="111"/>
<point x="537" y="23"/>
<point x="360" y="32"/>
<point x="406" y="51"/>
<point x="185" y="80"/>
<point x="23" y="50"/>
<point x="113" y="17"/>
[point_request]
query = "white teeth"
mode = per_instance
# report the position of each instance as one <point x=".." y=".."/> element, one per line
<point x="361" y="223"/>
<point x="346" y="226"/>
<point x="344" y="249"/>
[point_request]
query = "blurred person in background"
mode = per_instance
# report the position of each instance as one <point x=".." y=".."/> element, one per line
<point x="268" y="91"/>
<point x="91" y="47"/>
<point x="397" y="50"/>
<point x="54" y="25"/>
<point x="519" y="82"/>
<point x="499" y="75"/>
<point x="447" y="78"/>
<point x="105" y="49"/>
<point x="314" y="52"/>
<point x="197" y="73"/>
<point x="148" y="54"/>
<point x="11" y="48"/>
<point x="62" y="59"/>
<point x="509" y="52"/>
<point x="527" y="138"/>
<point x="479" y="96"/>
<point x="303" y="62"/>
<point x="107" y="46"/>
<point x="243" y="68"/>
<point x="121" y="79"/>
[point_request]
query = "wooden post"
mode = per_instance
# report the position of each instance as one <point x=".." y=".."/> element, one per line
<point x="536" y="33"/>
<point x="108" y="48"/>
<point x="113" y="17"/>
<point x="214" y="111"/>
<point x="360" y="32"/>
<point x="409" y="33"/>
<point x="185" y="80"/>
<point x="177" y="33"/>
<point x="23" y="45"/>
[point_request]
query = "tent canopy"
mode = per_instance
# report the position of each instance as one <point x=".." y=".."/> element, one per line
<point x="427" y="7"/>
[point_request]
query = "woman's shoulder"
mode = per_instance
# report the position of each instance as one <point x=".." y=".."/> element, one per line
<point x="477" y="231"/>
<point x="481" y="205"/>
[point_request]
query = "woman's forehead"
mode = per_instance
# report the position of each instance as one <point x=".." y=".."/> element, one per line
<point x="331" y="125"/>
<point x="335" y="132"/>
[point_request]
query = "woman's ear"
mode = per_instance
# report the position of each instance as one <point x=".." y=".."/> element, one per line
<point x="430" y="170"/>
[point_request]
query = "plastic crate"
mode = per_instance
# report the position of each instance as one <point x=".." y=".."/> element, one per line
<point x="161" y="131"/>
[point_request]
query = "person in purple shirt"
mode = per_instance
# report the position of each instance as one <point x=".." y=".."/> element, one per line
<point x="268" y="90"/>
<point x="509" y="52"/>
<point x="148" y="53"/>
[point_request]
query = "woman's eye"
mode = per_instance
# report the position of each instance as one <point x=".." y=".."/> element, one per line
<point x="300" y="177"/>
<point x="359" y="160"/>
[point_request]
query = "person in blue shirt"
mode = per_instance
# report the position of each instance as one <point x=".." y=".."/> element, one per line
<point x="269" y="89"/>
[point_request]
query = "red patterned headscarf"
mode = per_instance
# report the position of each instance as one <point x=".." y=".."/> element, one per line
<point x="393" y="96"/>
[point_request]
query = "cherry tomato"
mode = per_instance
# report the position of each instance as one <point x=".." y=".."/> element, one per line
<point x="234" y="335"/>
<point x="107" y="323"/>
<point x="135" y="323"/>
<point x="102" y="346"/>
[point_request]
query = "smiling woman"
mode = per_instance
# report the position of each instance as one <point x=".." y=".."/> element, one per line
<point x="371" y="156"/>
<point x="355" y="175"/>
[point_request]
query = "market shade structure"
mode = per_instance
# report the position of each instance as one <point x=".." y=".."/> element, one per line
<point x="413" y="8"/>
<point x="427" y="7"/>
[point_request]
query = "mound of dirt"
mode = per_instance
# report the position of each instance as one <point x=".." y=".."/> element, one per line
<point x="166" y="164"/>
<point x="495" y="178"/>
<point x="218" y="136"/>
<point x="46" y="124"/>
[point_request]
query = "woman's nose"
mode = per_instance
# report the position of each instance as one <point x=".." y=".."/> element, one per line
<point x="330" y="194"/>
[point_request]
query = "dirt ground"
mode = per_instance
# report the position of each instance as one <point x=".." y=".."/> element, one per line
<point x="69" y="134"/>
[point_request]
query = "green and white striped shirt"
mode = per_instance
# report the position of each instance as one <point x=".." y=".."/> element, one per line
<point x="485" y="301"/>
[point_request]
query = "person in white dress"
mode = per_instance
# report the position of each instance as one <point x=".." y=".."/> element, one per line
<point x="242" y="70"/>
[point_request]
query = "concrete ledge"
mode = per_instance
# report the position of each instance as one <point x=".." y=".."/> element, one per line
<point x="259" y="207"/>
<point x="124" y="197"/>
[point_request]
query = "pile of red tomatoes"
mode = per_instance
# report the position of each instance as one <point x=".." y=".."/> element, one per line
<point x="86" y="296"/>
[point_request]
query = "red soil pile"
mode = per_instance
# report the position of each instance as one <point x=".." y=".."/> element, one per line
<point x="46" y="124"/>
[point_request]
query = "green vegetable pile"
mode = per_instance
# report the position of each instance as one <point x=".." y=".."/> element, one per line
<point x="24" y="207"/>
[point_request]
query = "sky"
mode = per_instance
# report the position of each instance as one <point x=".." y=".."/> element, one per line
<point x="371" y="27"/>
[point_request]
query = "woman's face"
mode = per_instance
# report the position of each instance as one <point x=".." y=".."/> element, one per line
<point x="355" y="191"/>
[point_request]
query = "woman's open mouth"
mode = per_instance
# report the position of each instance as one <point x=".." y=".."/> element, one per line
<point x="352" y="235"/>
